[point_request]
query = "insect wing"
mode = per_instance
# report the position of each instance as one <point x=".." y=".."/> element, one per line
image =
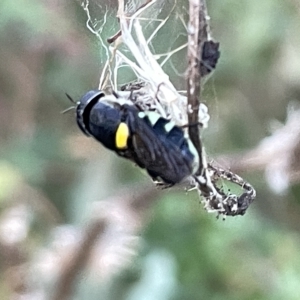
<point x="158" y="154"/>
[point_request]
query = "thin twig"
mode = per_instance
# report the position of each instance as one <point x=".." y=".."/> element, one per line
<point x="137" y="202"/>
<point x="278" y="152"/>
<point x="113" y="38"/>
<point x="78" y="260"/>
<point x="197" y="35"/>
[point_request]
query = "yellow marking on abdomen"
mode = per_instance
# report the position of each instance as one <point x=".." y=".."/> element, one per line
<point x="122" y="135"/>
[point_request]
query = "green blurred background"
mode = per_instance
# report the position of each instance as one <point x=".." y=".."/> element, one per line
<point x="51" y="175"/>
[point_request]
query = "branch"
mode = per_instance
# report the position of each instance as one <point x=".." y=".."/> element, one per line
<point x="214" y="198"/>
<point x="277" y="155"/>
<point x="197" y="35"/>
<point x="78" y="260"/>
<point x="103" y="218"/>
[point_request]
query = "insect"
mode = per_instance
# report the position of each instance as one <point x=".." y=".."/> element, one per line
<point x="151" y="141"/>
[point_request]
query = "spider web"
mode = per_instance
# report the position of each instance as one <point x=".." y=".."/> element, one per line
<point x="164" y="28"/>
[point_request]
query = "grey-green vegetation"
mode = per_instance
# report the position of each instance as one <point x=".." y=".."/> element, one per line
<point x="51" y="175"/>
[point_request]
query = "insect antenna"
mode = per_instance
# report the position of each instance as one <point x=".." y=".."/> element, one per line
<point x="71" y="107"/>
<point x="68" y="109"/>
<point x="71" y="99"/>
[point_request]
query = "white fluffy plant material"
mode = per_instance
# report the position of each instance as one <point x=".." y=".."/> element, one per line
<point x="158" y="93"/>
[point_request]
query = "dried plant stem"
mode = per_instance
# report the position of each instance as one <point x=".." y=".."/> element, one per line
<point x="197" y="34"/>
<point x="113" y="38"/>
<point x="280" y="151"/>
<point x="78" y="260"/>
<point x="137" y="202"/>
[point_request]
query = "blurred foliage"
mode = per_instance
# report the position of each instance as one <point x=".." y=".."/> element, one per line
<point x="50" y="174"/>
